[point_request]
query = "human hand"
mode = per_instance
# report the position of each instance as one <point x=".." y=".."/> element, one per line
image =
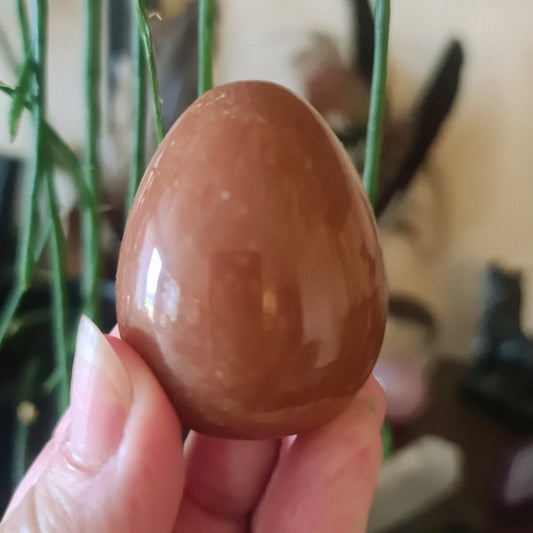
<point x="116" y="463"/>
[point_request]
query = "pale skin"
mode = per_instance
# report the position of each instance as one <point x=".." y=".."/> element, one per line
<point x="319" y="482"/>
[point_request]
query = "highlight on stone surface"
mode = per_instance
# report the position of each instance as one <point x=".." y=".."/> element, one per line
<point x="250" y="277"/>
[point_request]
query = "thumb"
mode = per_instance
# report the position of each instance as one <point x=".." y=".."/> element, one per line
<point x="115" y="462"/>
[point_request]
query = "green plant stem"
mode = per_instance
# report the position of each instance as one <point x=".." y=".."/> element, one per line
<point x="25" y="72"/>
<point x="89" y="211"/>
<point x="41" y="239"/>
<point x="206" y="9"/>
<point x="93" y="17"/>
<point x="89" y="214"/>
<point x="89" y="218"/>
<point x="22" y="90"/>
<point x="20" y="452"/>
<point x="24" y="259"/>
<point x="26" y="386"/>
<point x="139" y="112"/>
<point x="24" y="27"/>
<point x="144" y="32"/>
<point x="377" y="99"/>
<point x="59" y="298"/>
<point x="91" y="260"/>
<point x="85" y="193"/>
<point x="38" y="113"/>
<point x="24" y="267"/>
<point x="9" y="309"/>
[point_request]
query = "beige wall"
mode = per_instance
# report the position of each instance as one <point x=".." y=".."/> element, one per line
<point x="483" y="164"/>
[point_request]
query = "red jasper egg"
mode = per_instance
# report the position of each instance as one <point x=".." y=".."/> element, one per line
<point x="250" y="276"/>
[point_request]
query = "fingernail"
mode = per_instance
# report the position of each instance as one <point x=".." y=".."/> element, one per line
<point x="100" y="397"/>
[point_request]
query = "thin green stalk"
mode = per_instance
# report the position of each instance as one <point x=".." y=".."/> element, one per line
<point x="60" y="147"/>
<point x="88" y="205"/>
<point x="144" y="32"/>
<point x="24" y="259"/>
<point x="206" y="15"/>
<point x="377" y="99"/>
<point x="24" y="26"/>
<point x="25" y="264"/>
<point x="20" y="452"/>
<point x="139" y="112"/>
<point x="9" y="309"/>
<point x="89" y="210"/>
<point x="24" y="82"/>
<point x="93" y="17"/>
<point x="91" y="259"/>
<point x="41" y="239"/>
<point x="59" y="297"/>
<point x="89" y="218"/>
<point x="25" y="72"/>
<point x="20" y="444"/>
<point x="89" y="221"/>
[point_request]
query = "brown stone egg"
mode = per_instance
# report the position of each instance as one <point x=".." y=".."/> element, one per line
<point x="250" y="277"/>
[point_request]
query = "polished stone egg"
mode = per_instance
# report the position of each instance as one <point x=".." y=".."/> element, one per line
<point x="250" y="276"/>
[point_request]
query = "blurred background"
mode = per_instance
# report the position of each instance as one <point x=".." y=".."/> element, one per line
<point x="453" y="211"/>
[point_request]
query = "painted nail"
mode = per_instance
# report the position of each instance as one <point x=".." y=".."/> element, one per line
<point x="100" y="397"/>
